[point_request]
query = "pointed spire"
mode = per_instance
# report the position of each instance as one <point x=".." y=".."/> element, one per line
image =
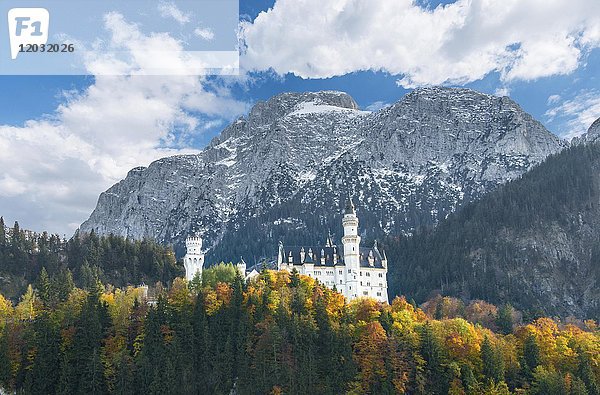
<point x="350" y="206"/>
<point x="329" y="242"/>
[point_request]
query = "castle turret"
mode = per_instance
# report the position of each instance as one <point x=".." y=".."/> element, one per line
<point x="193" y="261"/>
<point x="241" y="267"/>
<point x="351" y="242"/>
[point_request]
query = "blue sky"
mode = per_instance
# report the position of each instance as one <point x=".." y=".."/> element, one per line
<point x="81" y="134"/>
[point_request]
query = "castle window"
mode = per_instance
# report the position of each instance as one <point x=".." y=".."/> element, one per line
<point x="361" y="283"/>
<point x="378" y="293"/>
<point x="361" y="273"/>
<point x="380" y="284"/>
<point x="368" y="284"/>
<point x="380" y="274"/>
<point x="365" y="292"/>
<point x="340" y="281"/>
<point x="341" y="272"/>
<point x="349" y="271"/>
<point x="368" y="274"/>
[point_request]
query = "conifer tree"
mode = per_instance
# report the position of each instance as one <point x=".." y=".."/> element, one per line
<point x="504" y="320"/>
<point x="41" y="378"/>
<point x="586" y="373"/>
<point x="493" y="366"/>
<point x="432" y="353"/>
<point x="43" y="286"/>
<point x="531" y="355"/>
<point x="2" y="233"/>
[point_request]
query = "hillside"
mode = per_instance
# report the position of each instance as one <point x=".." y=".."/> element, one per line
<point x="81" y="261"/>
<point x="281" y="333"/>
<point x="534" y="242"/>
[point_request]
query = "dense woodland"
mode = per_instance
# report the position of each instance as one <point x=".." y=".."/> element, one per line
<point x="531" y="240"/>
<point x="82" y="260"/>
<point x="281" y="333"/>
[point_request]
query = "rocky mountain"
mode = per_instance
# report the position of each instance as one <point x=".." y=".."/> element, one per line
<point x="534" y="242"/>
<point x="284" y="171"/>
<point x="593" y="134"/>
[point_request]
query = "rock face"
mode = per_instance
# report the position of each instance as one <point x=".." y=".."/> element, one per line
<point x="594" y="130"/>
<point x="284" y="171"/>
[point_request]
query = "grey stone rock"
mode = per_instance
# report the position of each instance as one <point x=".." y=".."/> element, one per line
<point x="282" y="172"/>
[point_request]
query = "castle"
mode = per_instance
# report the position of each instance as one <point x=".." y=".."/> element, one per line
<point x="353" y="270"/>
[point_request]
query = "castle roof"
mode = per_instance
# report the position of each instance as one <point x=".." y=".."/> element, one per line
<point x="369" y="257"/>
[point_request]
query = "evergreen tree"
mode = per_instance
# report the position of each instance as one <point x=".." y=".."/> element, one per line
<point x="432" y="352"/>
<point x="504" y="320"/>
<point x="43" y="286"/>
<point x="492" y="361"/>
<point x="586" y="373"/>
<point x="41" y="378"/>
<point x="2" y="234"/>
<point x="531" y="355"/>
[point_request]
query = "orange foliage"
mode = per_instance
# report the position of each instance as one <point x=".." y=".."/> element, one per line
<point x="482" y="313"/>
<point x="377" y="358"/>
<point x="365" y="309"/>
<point x="399" y="304"/>
<point x="224" y="293"/>
<point x="450" y="307"/>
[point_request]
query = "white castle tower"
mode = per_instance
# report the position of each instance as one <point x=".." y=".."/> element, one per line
<point x="351" y="242"/>
<point x="194" y="257"/>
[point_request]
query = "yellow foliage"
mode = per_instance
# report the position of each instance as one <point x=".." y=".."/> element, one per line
<point x="212" y="304"/>
<point x="179" y="294"/>
<point x="29" y="305"/>
<point x="6" y="311"/>
<point x="462" y="340"/>
<point x="365" y="309"/>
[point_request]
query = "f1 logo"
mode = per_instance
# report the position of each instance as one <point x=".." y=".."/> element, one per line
<point x="27" y="26"/>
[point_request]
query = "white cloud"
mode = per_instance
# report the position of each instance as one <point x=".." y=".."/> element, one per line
<point x="170" y="10"/>
<point x="55" y="168"/>
<point x="502" y="91"/>
<point x="553" y="99"/>
<point x="575" y="115"/>
<point x="376" y="106"/>
<point x="204" y="33"/>
<point x="453" y="44"/>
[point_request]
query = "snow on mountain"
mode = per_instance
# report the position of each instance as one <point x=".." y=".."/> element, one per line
<point x="297" y="155"/>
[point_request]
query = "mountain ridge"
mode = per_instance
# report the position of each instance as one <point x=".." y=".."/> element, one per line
<point x="281" y="171"/>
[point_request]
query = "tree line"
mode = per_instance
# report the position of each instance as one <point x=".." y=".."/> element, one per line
<point x="82" y="260"/>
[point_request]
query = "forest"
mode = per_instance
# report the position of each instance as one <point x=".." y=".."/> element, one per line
<point x="534" y="241"/>
<point x="82" y="259"/>
<point x="281" y="333"/>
